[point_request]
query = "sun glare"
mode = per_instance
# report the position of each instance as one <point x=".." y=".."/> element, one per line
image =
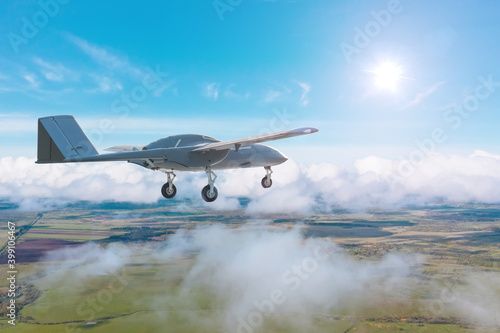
<point x="388" y="75"/>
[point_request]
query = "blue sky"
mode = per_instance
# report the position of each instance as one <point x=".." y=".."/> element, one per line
<point x="237" y="68"/>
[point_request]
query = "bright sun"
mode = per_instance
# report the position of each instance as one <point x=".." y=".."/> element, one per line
<point x="388" y="75"/>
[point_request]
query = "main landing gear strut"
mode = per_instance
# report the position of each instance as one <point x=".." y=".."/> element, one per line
<point x="169" y="190"/>
<point x="209" y="192"/>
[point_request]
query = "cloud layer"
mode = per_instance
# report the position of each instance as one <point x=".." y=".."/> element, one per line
<point x="257" y="276"/>
<point x="371" y="182"/>
<point x="244" y="274"/>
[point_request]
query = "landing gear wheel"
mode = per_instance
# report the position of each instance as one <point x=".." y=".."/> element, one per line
<point x="209" y="192"/>
<point x="266" y="182"/>
<point x="167" y="191"/>
<point x="208" y="195"/>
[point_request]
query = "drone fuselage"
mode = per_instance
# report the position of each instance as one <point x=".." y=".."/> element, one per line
<point x="179" y="155"/>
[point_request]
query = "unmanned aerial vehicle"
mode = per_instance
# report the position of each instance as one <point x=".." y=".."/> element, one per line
<point x="61" y="140"/>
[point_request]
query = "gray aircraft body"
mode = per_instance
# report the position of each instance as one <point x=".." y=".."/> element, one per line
<point x="61" y="140"/>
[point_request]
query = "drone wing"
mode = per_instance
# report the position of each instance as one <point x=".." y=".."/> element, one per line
<point x="224" y="145"/>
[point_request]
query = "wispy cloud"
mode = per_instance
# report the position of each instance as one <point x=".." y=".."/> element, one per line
<point x="140" y="125"/>
<point x="272" y="95"/>
<point x="229" y="93"/>
<point x="105" y="57"/>
<point x="211" y="90"/>
<point x="164" y="86"/>
<point x="306" y="88"/>
<point x="13" y="115"/>
<point x="97" y="53"/>
<point x="117" y="69"/>
<point x="54" y="72"/>
<point x="277" y="92"/>
<point x="32" y="80"/>
<point x="423" y="95"/>
<point x="15" y="125"/>
<point x="105" y="84"/>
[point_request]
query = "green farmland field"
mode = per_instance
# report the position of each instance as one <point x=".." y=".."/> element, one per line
<point x="148" y="293"/>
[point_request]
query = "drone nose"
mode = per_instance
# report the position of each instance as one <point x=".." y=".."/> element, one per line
<point x="283" y="158"/>
<point x="279" y="158"/>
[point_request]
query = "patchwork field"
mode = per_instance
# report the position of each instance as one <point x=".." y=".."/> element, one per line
<point x="122" y="267"/>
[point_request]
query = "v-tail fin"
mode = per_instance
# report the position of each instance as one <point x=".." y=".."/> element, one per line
<point x="61" y="138"/>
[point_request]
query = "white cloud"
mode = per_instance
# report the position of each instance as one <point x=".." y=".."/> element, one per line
<point x="43" y="186"/>
<point x="423" y="95"/>
<point x="370" y="182"/>
<point x="277" y="93"/>
<point x="81" y="262"/>
<point x="105" y="57"/>
<point x="17" y="125"/>
<point x="54" y="72"/>
<point x="272" y="95"/>
<point x="211" y="90"/>
<point x="99" y="54"/>
<point x="164" y="86"/>
<point x="315" y="276"/>
<point x="106" y="84"/>
<point x="114" y="72"/>
<point x="306" y="88"/>
<point x="476" y="299"/>
<point x="133" y="125"/>
<point x="229" y="93"/>
<point x="482" y="153"/>
<point x="13" y="115"/>
<point x="32" y="80"/>
<point x="252" y="262"/>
